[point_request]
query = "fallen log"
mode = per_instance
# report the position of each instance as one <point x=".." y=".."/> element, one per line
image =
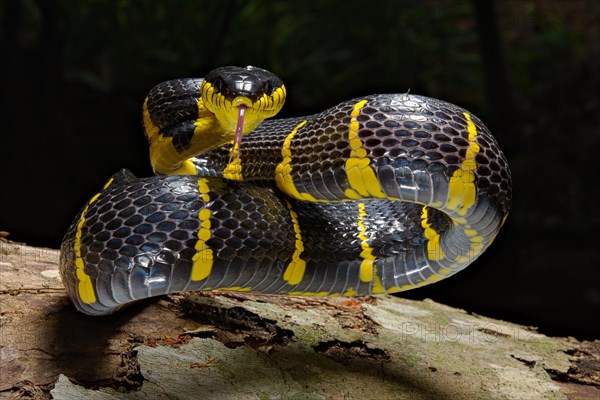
<point x="219" y="345"/>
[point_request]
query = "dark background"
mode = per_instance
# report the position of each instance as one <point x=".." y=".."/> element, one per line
<point x="74" y="74"/>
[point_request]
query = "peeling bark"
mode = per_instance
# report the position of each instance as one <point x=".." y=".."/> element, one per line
<point x="244" y="346"/>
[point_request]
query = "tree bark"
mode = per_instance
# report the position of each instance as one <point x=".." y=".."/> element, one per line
<point x="245" y="346"/>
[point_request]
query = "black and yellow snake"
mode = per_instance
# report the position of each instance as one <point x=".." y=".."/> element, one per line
<point x="378" y="194"/>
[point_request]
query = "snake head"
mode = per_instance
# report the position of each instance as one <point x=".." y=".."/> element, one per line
<point x="242" y="97"/>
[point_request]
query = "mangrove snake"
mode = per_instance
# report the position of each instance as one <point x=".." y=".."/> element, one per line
<point x="378" y="194"/>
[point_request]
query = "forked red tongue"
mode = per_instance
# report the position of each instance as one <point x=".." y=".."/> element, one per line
<point x="239" y="129"/>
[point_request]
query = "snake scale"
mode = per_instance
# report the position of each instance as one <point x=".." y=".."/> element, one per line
<point x="378" y="194"/>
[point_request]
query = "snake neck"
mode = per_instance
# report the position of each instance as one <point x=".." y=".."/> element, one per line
<point x="256" y="160"/>
<point x="170" y="152"/>
<point x="173" y="147"/>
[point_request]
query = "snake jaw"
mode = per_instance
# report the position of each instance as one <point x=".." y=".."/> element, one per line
<point x="241" y="101"/>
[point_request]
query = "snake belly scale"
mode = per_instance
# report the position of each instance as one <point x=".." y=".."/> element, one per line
<point x="378" y="194"/>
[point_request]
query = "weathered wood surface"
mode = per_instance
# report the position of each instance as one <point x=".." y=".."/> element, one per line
<point x="234" y="346"/>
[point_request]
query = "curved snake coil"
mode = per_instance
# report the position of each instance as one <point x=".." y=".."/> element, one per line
<point x="378" y="194"/>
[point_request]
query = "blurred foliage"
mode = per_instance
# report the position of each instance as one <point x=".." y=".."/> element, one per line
<point x="328" y="47"/>
<point x="82" y="55"/>
<point x="74" y="73"/>
<point x="336" y="49"/>
<point x="91" y="62"/>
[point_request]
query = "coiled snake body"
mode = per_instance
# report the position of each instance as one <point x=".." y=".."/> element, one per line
<point x="378" y="194"/>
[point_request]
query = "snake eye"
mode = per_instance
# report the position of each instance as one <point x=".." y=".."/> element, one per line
<point x="218" y="84"/>
<point x="268" y="88"/>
